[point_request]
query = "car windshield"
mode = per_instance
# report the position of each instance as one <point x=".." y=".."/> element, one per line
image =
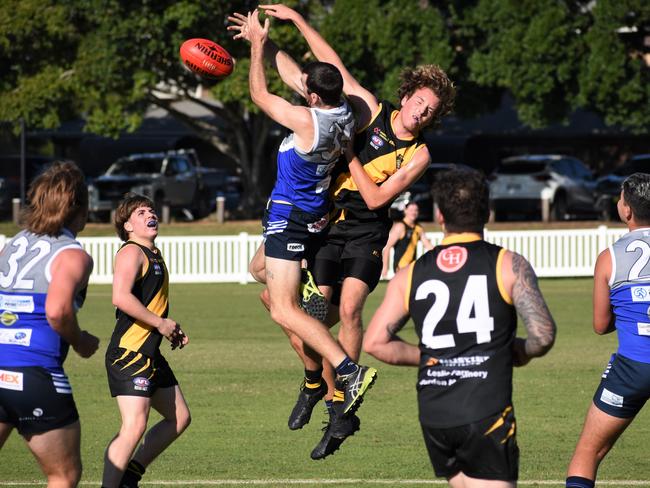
<point x="135" y="166"/>
<point x="633" y="166"/>
<point x="522" y="168"/>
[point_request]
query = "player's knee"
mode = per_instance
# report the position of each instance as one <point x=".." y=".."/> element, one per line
<point x="65" y="474"/>
<point x="350" y="314"/>
<point x="183" y="420"/>
<point x="134" y="429"/>
<point x="265" y="298"/>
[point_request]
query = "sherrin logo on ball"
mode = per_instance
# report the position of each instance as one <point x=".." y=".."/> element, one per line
<point x="206" y="58"/>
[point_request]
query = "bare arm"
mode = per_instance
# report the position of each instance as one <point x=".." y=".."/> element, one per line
<point x="70" y="271"/>
<point x="381" y="339"/>
<point x="428" y="245"/>
<point x="395" y="234"/>
<point x="379" y="196"/>
<point x="298" y="119"/>
<point x="129" y="263"/>
<point x="521" y="282"/>
<point x="364" y="102"/>
<point x="604" y="319"/>
<point x="285" y="65"/>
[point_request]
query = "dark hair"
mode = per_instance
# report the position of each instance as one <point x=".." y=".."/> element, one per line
<point x="636" y="192"/>
<point x="56" y="198"/>
<point x="463" y="198"/>
<point x="124" y="210"/>
<point x="325" y="80"/>
<point x="433" y="77"/>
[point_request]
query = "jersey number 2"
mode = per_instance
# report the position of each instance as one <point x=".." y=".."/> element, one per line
<point x="473" y="314"/>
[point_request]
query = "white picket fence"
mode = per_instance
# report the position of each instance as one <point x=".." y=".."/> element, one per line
<point x="224" y="259"/>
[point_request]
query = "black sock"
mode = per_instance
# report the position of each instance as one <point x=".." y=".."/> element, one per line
<point x="313" y="378"/>
<point x="347" y="366"/>
<point x="132" y="474"/>
<point x="579" y="482"/>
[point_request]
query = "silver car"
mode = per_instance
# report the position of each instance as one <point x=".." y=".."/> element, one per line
<point x="521" y="184"/>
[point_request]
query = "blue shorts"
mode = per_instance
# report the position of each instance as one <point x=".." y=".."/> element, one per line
<point x="624" y="387"/>
<point x="36" y="400"/>
<point x="290" y="233"/>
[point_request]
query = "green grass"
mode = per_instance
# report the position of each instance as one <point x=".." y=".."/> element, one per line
<point x="241" y="377"/>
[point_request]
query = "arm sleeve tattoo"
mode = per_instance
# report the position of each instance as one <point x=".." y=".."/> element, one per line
<point x="532" y="309"/>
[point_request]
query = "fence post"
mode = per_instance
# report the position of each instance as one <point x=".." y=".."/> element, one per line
<point x="243" y="257"/>
<point x="602" y="238"/>
<point x="15" y="210"/>
<point x="221" y="209"/>
<point x="546" y="204"/>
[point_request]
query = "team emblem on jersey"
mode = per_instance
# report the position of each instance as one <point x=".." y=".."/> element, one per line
<point x="452" y="259"/>
<point x="376" y="142"/>
<point x="8" y="318"/>
<point x="399" y="160"/>
<point x="318" y="226"/>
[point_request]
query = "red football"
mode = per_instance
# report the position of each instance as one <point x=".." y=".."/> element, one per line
<point x="206" y="58"/>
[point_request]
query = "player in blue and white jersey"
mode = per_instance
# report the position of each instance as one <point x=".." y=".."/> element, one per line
<point x="621" y="304"/>
<point x="43" y="277"/>
<point x="296" y="215"/>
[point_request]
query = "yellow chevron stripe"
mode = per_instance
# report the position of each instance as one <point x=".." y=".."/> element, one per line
<point x="146" y="365"/>
<point x="135" y="358"/>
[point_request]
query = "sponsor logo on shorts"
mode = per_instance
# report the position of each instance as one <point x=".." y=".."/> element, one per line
<point x="141" y="384"/>
<point x="17" y="303"/>
<point x="8" y="318"/>
<point x="16" y="337"/>
<point x="611" y="398"/>
<point x="11" y="380"/>
<point x="452" y="259"/>
<point x="38" y="412"/>
<point x="376" y="142"/>
<point x="640" y="293"/>
<point x="295" y="247"/>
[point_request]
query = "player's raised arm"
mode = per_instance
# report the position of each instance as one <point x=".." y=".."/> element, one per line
<point x="285" y="65"/>
<point x="296" y="118"/>
<point x="521" y="281"/>
<point x="364" y="102"/>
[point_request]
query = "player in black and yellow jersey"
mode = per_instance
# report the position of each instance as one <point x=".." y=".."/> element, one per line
<point x="392" y="155"/>
<point x="404" y="237"/>
<point x="138" y="375"/>
<point x="463" y="297"/>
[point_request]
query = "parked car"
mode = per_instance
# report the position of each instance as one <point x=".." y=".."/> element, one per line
<point x="173" y="178"/>
<point x="420" y="192"/>
<point x="608" y="186"/>
<point x="520" y="183"/>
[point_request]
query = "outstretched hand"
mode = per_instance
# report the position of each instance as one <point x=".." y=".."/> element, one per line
<point x="257" y="32"/>
<point x="240" y="26"/>
<point x="279" y="11"/>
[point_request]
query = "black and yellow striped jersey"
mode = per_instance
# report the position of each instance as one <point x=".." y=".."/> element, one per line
<point x="381" y="153"/>
<point x="406" y="248"/>
<point x="152" y="289"/>
<point x="466" y="324"/>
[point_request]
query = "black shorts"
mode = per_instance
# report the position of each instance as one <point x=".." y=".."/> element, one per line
<point x="290" y="233"/>
<point x="486" y="449"/>
<point x="624" y="387"/>
<point x="352" y="249"/>
<point x="35" y="400"/>
<point x="133" y="374"/>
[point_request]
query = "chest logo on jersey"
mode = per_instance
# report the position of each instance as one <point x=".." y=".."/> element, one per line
<point x="8" y="318"/>
<point x="640" y="293"/>
<point x="452" y="259"/>
<point x="399" y="160"/>
<point x="376" y="142"/>
<point x="11" y="380"/>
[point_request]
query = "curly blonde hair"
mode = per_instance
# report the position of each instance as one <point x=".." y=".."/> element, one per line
<point x="429" y="76"/>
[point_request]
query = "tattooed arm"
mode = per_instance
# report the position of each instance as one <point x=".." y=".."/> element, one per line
<point x="381" y="339"/>
<point x="520" y="280"/>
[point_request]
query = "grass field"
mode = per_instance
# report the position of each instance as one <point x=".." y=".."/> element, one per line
<point x="241" y="379"/>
